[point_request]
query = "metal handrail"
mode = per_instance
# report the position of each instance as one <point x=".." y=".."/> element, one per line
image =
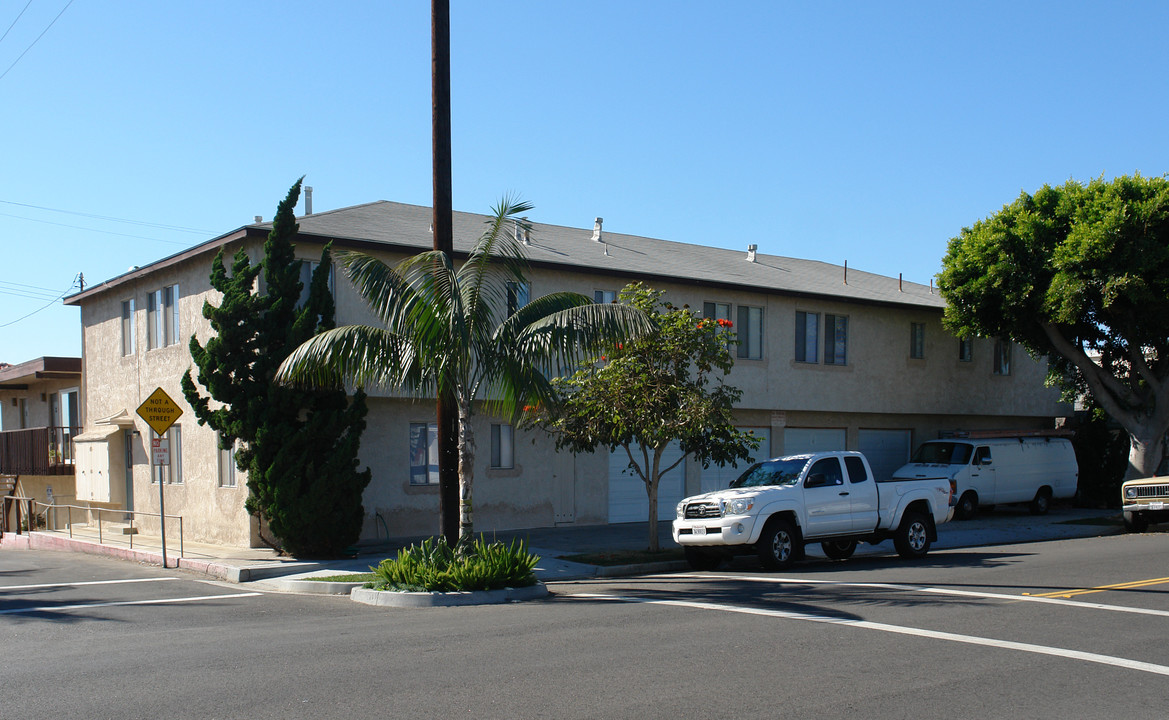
<point x="55" y="508"/>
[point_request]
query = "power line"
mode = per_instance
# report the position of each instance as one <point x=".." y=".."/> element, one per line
<point x="15" y="21"/>
<point x="161" y="226"/>
<point x="105" y="232"/>
<point x="47" y="305"/>
<point x="34" y="42"/>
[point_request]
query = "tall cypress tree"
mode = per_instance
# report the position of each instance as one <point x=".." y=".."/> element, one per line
<point x="299" y="446"/>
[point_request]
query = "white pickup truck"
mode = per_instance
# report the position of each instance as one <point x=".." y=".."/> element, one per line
<point x="778" y="505"/>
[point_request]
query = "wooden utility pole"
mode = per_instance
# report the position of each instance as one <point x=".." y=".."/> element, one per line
<point x="447" y="415"/>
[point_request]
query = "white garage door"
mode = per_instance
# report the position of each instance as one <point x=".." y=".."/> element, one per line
<point x="809" y="440"/>
<point x="627" y="499"/>
<point x="886" y="450"/>
<point x="719" y="478"/>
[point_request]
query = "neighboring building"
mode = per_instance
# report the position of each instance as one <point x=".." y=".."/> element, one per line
<point x="830" y="358"/>
<point x="39" y="416"/>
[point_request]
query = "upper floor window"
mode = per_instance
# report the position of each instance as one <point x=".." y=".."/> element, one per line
<point x="128" y="327"/>
<point x="716" y="311"/>
<point x="518" y="295"/>
<point x="917" y="341"/>
<point x="1002" y="357"/>
<point x="502" y="446"/>
<point x="835" y="339"/>
<point x="307" y="269"/>
<point x="965" y="350"/>
<point x="750" y="332"/>
<point x="807" y="336"/>
<point x="604" y="296"/>
<point x="162" y="317"/>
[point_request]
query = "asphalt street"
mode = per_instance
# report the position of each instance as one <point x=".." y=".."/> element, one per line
<point x="1072" y="628"/>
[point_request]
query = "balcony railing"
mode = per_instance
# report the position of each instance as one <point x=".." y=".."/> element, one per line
<point x="37" y="451"/>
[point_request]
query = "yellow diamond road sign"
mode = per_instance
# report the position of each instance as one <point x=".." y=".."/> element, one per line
<point x="159" y="411"/>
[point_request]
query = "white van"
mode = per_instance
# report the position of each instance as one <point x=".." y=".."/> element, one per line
<point x="993" y="471"/>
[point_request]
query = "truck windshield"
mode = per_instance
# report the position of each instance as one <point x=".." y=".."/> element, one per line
<point x="942" y="453"/>
<point x="785" y="471"/>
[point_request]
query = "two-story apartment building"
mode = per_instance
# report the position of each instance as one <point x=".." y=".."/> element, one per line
<point x="40" y="415"/>
<point x="831" y="357"/>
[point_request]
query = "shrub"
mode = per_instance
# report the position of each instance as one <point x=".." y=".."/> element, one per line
<point x="434" y="565"/>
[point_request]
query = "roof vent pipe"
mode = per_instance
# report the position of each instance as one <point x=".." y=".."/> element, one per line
<point x="259" y="219"/>
<point x="527" y="232"/>
<point x="517" y="232"/>
<point x="751" y="252"/>
<point x="845" y="272"/>
<point x="597" y="229"/>
<point x="308" y="199"/>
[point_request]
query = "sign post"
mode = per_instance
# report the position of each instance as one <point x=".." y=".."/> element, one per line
<point x="160" y="412"/>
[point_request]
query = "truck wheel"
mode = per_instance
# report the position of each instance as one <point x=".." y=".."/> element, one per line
<point x="967" y="506"/>
<point x="702" y="559"/>
<point x="1042" y="502"/>
<point x="912" y="538"/>
<point x="1135" y="522"/>
<point x="838" y="549"/>
<point x="777" y="544"/>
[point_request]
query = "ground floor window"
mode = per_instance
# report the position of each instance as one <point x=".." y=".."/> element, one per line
<point x="502" y="446"/>
<point x="227" y="466"/>
<point x="423" y="453"/>
<point x="171" y="474"/>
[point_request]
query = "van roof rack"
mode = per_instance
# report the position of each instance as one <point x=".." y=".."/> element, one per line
<point x="990" y="434"/>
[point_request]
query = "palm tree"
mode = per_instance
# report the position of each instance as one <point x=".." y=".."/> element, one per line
<point x="449" y="331"/>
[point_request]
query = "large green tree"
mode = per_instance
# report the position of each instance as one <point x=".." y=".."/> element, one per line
<point x="458" y="332"/>
<point x="644" y="394"/>
<point x="298" y="446"/>
<point x="1079" y="274"/>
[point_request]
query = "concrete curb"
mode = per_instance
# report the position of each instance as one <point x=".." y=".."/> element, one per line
<point x="382" y="598"/>
<point x="316" y="587"/>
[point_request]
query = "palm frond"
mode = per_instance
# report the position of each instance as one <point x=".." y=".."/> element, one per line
<point x="358" y="355"/>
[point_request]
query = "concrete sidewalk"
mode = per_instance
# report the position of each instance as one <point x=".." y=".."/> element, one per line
<point x="1006" y="525"/>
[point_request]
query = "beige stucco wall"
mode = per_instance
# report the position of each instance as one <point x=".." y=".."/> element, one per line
<point x="116" y="383"/>
<point x="881" y="387"/>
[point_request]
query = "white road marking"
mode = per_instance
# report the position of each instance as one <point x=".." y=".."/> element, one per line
<point x="899" y="629"/>
<point x="926" y="589"/>
<point x="79" y="584"/>
<point x="86" y="606"/>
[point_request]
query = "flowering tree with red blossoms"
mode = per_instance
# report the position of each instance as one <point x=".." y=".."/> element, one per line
<point x="647" y="393"/>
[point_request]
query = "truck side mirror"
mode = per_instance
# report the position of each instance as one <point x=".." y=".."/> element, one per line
<point x="816" y="480"/>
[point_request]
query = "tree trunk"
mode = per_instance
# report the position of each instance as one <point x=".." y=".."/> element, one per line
<point x="466" y="472"/>
<point x="1144" y="451"/>
<point x="651" y="487"/>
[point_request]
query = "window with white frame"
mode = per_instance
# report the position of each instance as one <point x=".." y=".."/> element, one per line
<point x="917" y="341"/>
<point x="162" y="317"/>
<point x="423" y="453"/>
<point x="170" y="474"/>
<point x="128" y="327"/>
<point x="749" y="331"/>
<point x="807" y="336"/>
<point x="226" y="464"/>
<point x="604" y="297"/>
<point x="1002" y="357"/>
<point x="518" y="295"/>
<point x="502" y="446"/>
<point x="835" y="339"/>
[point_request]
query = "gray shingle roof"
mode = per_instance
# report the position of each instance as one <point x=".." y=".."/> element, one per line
<point x="398" y="226"/>
<point x="408" y="226"/>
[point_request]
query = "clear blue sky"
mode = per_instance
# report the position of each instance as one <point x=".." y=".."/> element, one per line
<point x="870" y="132"/>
